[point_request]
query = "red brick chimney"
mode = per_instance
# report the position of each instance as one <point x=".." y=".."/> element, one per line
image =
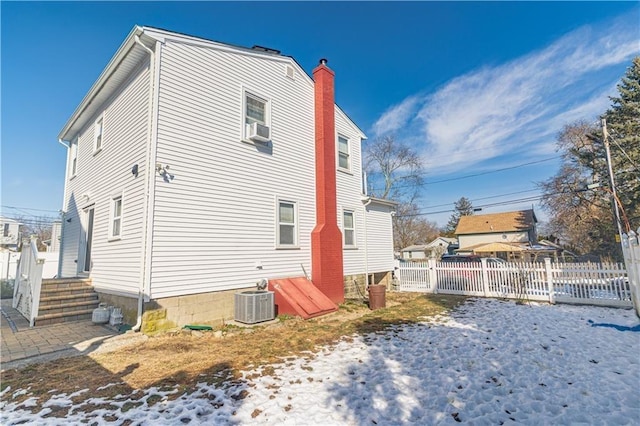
<point x="326" y="238"/>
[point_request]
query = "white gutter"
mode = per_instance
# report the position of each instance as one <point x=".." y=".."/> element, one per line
<point x="149" y="180"/>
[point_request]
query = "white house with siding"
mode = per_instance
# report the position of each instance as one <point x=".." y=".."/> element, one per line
<point x="191" y="174"/>
<point x="10" y="233"/>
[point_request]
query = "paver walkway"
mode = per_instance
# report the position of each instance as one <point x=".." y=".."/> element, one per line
<point x="22" y="345"/>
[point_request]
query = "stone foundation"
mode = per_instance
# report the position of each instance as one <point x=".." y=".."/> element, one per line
<point x="355" y="285"/>
<point x="212" y="308"/>
<point x="129" y="305"/>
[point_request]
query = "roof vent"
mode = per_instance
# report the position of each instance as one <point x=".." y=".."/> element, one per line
<point x="266" y="49"/>
<point x="291" y="73"/>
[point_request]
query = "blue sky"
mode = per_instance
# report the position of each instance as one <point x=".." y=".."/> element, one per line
<point x="476" y="87"/>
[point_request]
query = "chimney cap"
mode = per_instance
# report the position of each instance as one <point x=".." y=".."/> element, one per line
<point x="323" y="61"/>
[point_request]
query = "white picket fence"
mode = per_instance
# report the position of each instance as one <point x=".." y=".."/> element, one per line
<point x="631" y="252"/>
<point x="584" y="283"/>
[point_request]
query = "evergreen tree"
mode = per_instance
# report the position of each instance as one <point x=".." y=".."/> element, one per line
<point x="463" y="207"/>
<point x="623" y="125"/>
<point x="584" y="219"/>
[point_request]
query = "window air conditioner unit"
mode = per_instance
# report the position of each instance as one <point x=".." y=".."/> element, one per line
<point x="259" y="132"/>
<point x="254" y="306"/>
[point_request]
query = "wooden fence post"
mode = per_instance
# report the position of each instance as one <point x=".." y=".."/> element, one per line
<point x="549" y="277"/>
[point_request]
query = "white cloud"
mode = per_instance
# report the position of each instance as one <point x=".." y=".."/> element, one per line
<point x="519" y="106"/>
<point x="396" y="116"/>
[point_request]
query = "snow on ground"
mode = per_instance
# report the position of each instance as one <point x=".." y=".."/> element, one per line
<point x="489" y="362"/>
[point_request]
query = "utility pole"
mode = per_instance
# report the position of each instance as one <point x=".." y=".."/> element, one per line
<point x="613" y="184"/>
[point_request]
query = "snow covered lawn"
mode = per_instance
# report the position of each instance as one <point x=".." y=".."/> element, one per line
<point x="488" y="362"/>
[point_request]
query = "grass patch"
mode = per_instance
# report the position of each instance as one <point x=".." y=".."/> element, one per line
<point x="168" y="360"/>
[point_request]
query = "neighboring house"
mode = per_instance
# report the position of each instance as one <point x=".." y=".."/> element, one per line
<point x="414" y="252"/>
<point x="435" y="249"/>
<point x="197" y="168"/>
<point x="507" y="235"/>
<point x="440" y="246"/>
<point x="10" y="233"/>
<point x="53" y="244"/>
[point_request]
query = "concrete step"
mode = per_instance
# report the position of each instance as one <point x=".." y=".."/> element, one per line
<point x="67" y="299"/>
<point x="59" y="300"/>
<point x="65" y="283"/>
<point x="77" y="315"/>
<point x="68" y="307"/>
<point x="79" y="291"/>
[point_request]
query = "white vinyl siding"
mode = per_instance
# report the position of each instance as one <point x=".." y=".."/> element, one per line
<point x="115" y="264"/>
<point x="223" y="196"/>
<point x="509" y="237"/>
<point x="379" y="238"/>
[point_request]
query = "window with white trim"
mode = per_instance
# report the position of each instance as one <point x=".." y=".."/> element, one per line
<point x="256" y="110"/>
<point x="115" y="230"/>
<point x="349" y="228"/>
<point x="287" y="231"/>
<point x="344" y="160"/>
<point x="5" y="232"/>
<point x="98" y="132"/>
<point x="73" y="160"/>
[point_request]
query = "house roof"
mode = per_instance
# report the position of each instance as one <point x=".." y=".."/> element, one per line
<point x="440" y="241"/>
<point x="381" y="201"/>
<point x="4" y="219"/>
<point x="522" y="220"/>
<point x="415" y="247"/>
<point x="129" y="56"/>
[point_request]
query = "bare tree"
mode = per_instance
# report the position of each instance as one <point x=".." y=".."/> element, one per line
<point x="410" y="228"/>
<point x="396" y="166"/>
<point x="40" y="226"/>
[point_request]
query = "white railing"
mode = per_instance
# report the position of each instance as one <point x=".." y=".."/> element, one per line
<point x="26" y="292"/>
<point x="631" y="252"/>
<point x="586" y="283"/>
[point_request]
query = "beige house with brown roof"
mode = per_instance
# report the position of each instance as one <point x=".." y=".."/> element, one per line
<point x="506" y="235"/>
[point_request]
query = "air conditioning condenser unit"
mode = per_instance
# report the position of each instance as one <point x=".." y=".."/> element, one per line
<point x="254" y="306"/>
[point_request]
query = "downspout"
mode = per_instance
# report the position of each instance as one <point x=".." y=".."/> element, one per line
<point x="366" y="246"/>
<point x="64" y="210"/>
<point x="149" y="175"/>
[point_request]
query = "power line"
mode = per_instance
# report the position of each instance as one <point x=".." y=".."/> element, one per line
<point x="484" y="198"/>
<point x="517" y="166"/>
<point x="26" y="208"/>
<point x="492" y="171"/>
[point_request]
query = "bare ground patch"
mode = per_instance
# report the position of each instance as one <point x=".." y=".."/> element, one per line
<point x="177" y="362"/>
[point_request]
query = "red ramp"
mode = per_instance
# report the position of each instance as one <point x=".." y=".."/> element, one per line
<point x="298" y="296"/>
